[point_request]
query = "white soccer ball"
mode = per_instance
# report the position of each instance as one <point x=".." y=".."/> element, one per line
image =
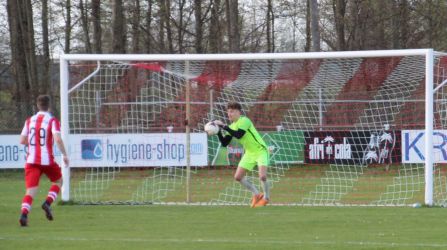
<point x="211" y="128"/>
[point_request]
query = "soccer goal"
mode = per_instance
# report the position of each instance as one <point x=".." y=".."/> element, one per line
<point x="343" y="128"/>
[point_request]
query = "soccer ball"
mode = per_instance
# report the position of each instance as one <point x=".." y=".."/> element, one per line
<point x="211" y="128"/>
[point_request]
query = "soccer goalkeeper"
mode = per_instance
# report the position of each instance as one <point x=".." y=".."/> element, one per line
<point x="256" y="152"/>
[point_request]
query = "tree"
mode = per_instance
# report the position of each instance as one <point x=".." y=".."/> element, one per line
<point x="148" y="43"/>
<point x="161" y="29"/>
<point x="166" y="15"/>
<point x="215" y="37"/>
<point x="20" y="19"/>
<point x="67" y="26"/>
<point x="339" y="8"/>
<point x="97" y="30"/>
<point x="232" y="14"/>
<point x="315" y="27"/>
<point x="46" y="80"/>
<point x="270" y="27"/>
<point x="85" y="27"/>
<point x="118" y="28"/>
<point x="136" y="27"/>
<point x="198" y="26"/>
<point x="308" y="45"/>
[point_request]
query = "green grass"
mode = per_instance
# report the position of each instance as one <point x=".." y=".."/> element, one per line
<point x="215" y="227"/>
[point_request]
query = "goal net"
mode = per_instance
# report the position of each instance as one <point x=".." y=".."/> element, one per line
<point x="342" y="128"/>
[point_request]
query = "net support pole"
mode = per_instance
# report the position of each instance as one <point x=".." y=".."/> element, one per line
<point x="97" y="109"/>
<point x="429" y="127"/>
<point x="65" y="191"/>
<point x="211" y="102"/>
<point x="320" y="107"/>
<point x="188" y="134"/>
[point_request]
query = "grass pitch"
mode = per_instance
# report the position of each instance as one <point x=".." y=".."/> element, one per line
<point x="215" y="227"/>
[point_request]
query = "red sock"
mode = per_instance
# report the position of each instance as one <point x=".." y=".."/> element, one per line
<point x="52" y="194"/>
<point x="26" y="204"/>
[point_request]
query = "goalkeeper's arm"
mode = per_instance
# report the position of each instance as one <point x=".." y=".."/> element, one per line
<point x="238" y="134"/>
<point x="224" y="140"/>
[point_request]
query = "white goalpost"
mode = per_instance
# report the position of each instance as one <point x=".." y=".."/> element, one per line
<point x="343" y="128"/>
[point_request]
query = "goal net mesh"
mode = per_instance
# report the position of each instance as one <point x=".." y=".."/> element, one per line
<point x="334" y="127"/>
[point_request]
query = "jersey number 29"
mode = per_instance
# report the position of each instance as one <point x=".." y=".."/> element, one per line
<point x="42" y="134"/>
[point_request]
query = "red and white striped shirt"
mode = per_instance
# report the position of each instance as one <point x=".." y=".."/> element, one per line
<point x="40" y="129"/>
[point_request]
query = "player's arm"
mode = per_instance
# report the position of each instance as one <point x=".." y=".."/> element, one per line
<point x="61" y="147"/>
<point x="56" y="131"/>
<point x="24" y="134"/>
<point x="23" y="139"/>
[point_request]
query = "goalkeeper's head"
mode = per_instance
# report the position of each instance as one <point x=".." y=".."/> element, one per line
<point x="234" y="111"/>
<point x="234" y="105"/>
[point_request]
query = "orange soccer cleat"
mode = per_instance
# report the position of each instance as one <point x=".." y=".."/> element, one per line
<point x="262" y="202"/>
<point x="256" y="198"/>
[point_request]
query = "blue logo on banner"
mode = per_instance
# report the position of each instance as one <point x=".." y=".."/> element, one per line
<point x="91" y="149"/>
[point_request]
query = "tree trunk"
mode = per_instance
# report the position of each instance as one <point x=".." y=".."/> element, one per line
<point x="85" y="27"/>
<point x="339" y="8"/>
<point x="273" y="29"/>
<point x="161" y="31"/>
<point x="118" y="31"/>
<point x="315" y="27"/>
<point x="167" y="17"/>
<point x="308" y="31"/>
<point x="97" y="30"/>
<point x="20" y="17"/>
<point x="148" y="47"/>
<point x="198" y="26"/>
<point x="67" y="26"/>
<point x="381" y="9"/>
<point x="354" y="42"/>
<point x="136" y="27"/>
<point x="215" y="43"/>
<point x="180" y="27"/>
<point x="18" y="63"/>
<point x="404" y="29"/>
<point x="46" y="80"/>
<point x="232" y="13"/>
<point x="30" y="48"/>
<point x="269" y="26"/>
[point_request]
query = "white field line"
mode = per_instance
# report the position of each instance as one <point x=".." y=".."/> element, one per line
<point x="220" y="241"/>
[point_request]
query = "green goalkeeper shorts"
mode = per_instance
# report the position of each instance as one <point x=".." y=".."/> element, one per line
<point x="250" y="160"/>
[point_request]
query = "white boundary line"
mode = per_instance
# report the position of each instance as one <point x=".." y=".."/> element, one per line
<point x="238" y="241"/>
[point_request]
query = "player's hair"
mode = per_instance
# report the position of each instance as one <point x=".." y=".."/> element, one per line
<point x="234" y="105"/>
<point x="43" y="102"/>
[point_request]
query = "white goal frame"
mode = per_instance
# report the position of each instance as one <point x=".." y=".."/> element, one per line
<point x="429" y="90"/>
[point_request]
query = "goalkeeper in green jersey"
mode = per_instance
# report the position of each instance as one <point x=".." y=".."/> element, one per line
<point x="255" y="151"/>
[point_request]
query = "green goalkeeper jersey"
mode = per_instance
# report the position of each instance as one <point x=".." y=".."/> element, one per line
<point x="251" y="141"/>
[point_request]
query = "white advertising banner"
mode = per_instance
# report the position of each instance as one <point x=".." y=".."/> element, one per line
<point x="137" y="150"/>
<point x="413" y="146"/>
<point x="117" y="150"/>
